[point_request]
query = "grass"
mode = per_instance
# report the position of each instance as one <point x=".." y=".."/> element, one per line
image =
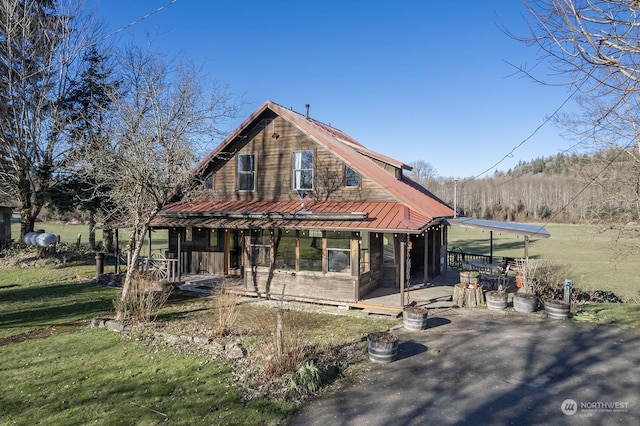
<point x="56" y="370"/>
<point x="96" y="377"/>
<point x="625" y="315"/>
<point x="45" y="296"/>
<point x="600" y="258"/>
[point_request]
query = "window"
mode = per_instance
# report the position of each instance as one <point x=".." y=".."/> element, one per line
<point x="389" y="250"/>
<point x="303" y="170"/>
<point x="208" y="182"/>
<point x="213" y="238"/>
<point x="286" y="249"/>
<point x="364" y="252"/>
<point x="246" y="169"/>
<point x="339" y="251"/>
<point x="260" y="248"/>
<point x="310" y="250"/>
<point x="351" y="178"/>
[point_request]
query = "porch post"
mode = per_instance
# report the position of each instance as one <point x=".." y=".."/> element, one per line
<point x="179" y="255"/>
<point x="402" y="269"/>
<point x="490" y="246"/>
<point x="434" y="252"/>
<point x="426" y="255"/>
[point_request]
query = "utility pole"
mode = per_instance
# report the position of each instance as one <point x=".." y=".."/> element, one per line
<point x="455" y="198"/>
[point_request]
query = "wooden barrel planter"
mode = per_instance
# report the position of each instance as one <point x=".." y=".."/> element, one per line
<point x="496" y="300"/>
<point x="525" y="303"/>
<point x="557" y="309"/>
<point x="383" y="347"/>
<point x="414" y="319"/>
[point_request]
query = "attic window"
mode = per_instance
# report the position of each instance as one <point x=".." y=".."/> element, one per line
<point x="303" y="170"/>
<point x="246" y="172"/>
<point x="351" y="178"/>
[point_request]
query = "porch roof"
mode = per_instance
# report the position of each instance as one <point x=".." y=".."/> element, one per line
<point x="528" y="230"/>
<point x="380" y="216"/>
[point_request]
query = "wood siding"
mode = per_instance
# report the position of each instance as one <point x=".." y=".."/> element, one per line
<point x="274" y="169"/>
<point x="203" y="262"/>
<point x="335" y="287"/>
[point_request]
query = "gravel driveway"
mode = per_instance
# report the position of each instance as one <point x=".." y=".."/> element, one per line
<point x="485" y="367"/>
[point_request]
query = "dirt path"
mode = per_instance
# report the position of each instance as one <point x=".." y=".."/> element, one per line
<point x="479" y="367"/>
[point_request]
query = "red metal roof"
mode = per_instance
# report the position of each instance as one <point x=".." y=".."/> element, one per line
<point x="382" y="216"/>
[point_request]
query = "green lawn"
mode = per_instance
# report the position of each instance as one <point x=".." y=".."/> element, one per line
<point x="90" y="376"/>
<point x="600" y="258"/>
<point x="56" y="370"/>
<point x="38" y="297"/>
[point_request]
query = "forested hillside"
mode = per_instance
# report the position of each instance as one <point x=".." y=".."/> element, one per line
<point x="604" y="186"/>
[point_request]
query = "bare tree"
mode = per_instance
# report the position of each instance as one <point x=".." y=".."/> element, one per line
<point x="40" y="45"/>
<point x="423" y="172"/>
<point x="594" y="45"/>
<point x="162" y="117"/>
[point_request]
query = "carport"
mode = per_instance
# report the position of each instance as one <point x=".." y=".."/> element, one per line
<point x="527" y="230"/>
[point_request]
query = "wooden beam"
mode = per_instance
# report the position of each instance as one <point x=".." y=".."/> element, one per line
<point x="403" y="256"/>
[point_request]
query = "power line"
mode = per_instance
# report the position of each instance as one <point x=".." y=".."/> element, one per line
<point x="137" y="21"/>
<point x="532" y="134"/>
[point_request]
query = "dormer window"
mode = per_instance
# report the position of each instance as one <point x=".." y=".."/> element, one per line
<point x="246" y="172"/>
<point x="351" y="178"/>
<point x="302" y="170"/>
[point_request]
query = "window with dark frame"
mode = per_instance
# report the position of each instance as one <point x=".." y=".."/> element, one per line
<point x="351" y="178"/>
<point x="365" y="252"/>
<point x="303" y="170"/>
<point x="338" y="251"/>
<point x="246" y="172"/>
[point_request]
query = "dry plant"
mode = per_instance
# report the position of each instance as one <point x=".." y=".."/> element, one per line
<point x="294" y="351"/>
<point x="226" y="310"/>
<point x="147" y="295"/>
<point x="550" y="280"/>
<point x="527" y="270"/>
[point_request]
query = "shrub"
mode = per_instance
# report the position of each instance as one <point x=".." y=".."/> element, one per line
<point x="549" y="280"/>
<point x="226" y="310"/>
<point x="306" y="379"/>
<point x="145" y="297"/>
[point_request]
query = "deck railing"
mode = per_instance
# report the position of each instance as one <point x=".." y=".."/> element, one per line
<point x="456" y="258"/>
<point x="160" y="269"/>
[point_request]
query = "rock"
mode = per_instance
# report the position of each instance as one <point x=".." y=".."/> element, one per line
<point x="98" y="322"/>
<point x="172" y="338"/>
<point x="201" y="341"/>
<point x="215" y="346"/>
<point x="234" y="351"/>
<point x="114" y="325"/>
<point x="185" y="339"/>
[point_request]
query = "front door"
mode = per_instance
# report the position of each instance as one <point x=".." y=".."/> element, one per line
<point x="234" y="247"/>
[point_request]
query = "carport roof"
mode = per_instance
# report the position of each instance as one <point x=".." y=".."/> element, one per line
<point x="528" y="230"/>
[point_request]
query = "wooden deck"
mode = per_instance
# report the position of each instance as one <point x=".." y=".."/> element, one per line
<point x="384" y="301"/>
<point x="437" y="293"/>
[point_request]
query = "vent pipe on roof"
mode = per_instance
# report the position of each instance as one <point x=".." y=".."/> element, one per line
<point x="307" y="107"/>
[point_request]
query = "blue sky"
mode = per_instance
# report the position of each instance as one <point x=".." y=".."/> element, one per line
<point x="415" y="80"/>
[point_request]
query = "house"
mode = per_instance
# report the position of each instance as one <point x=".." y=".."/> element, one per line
<point x="292" y="206"/>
